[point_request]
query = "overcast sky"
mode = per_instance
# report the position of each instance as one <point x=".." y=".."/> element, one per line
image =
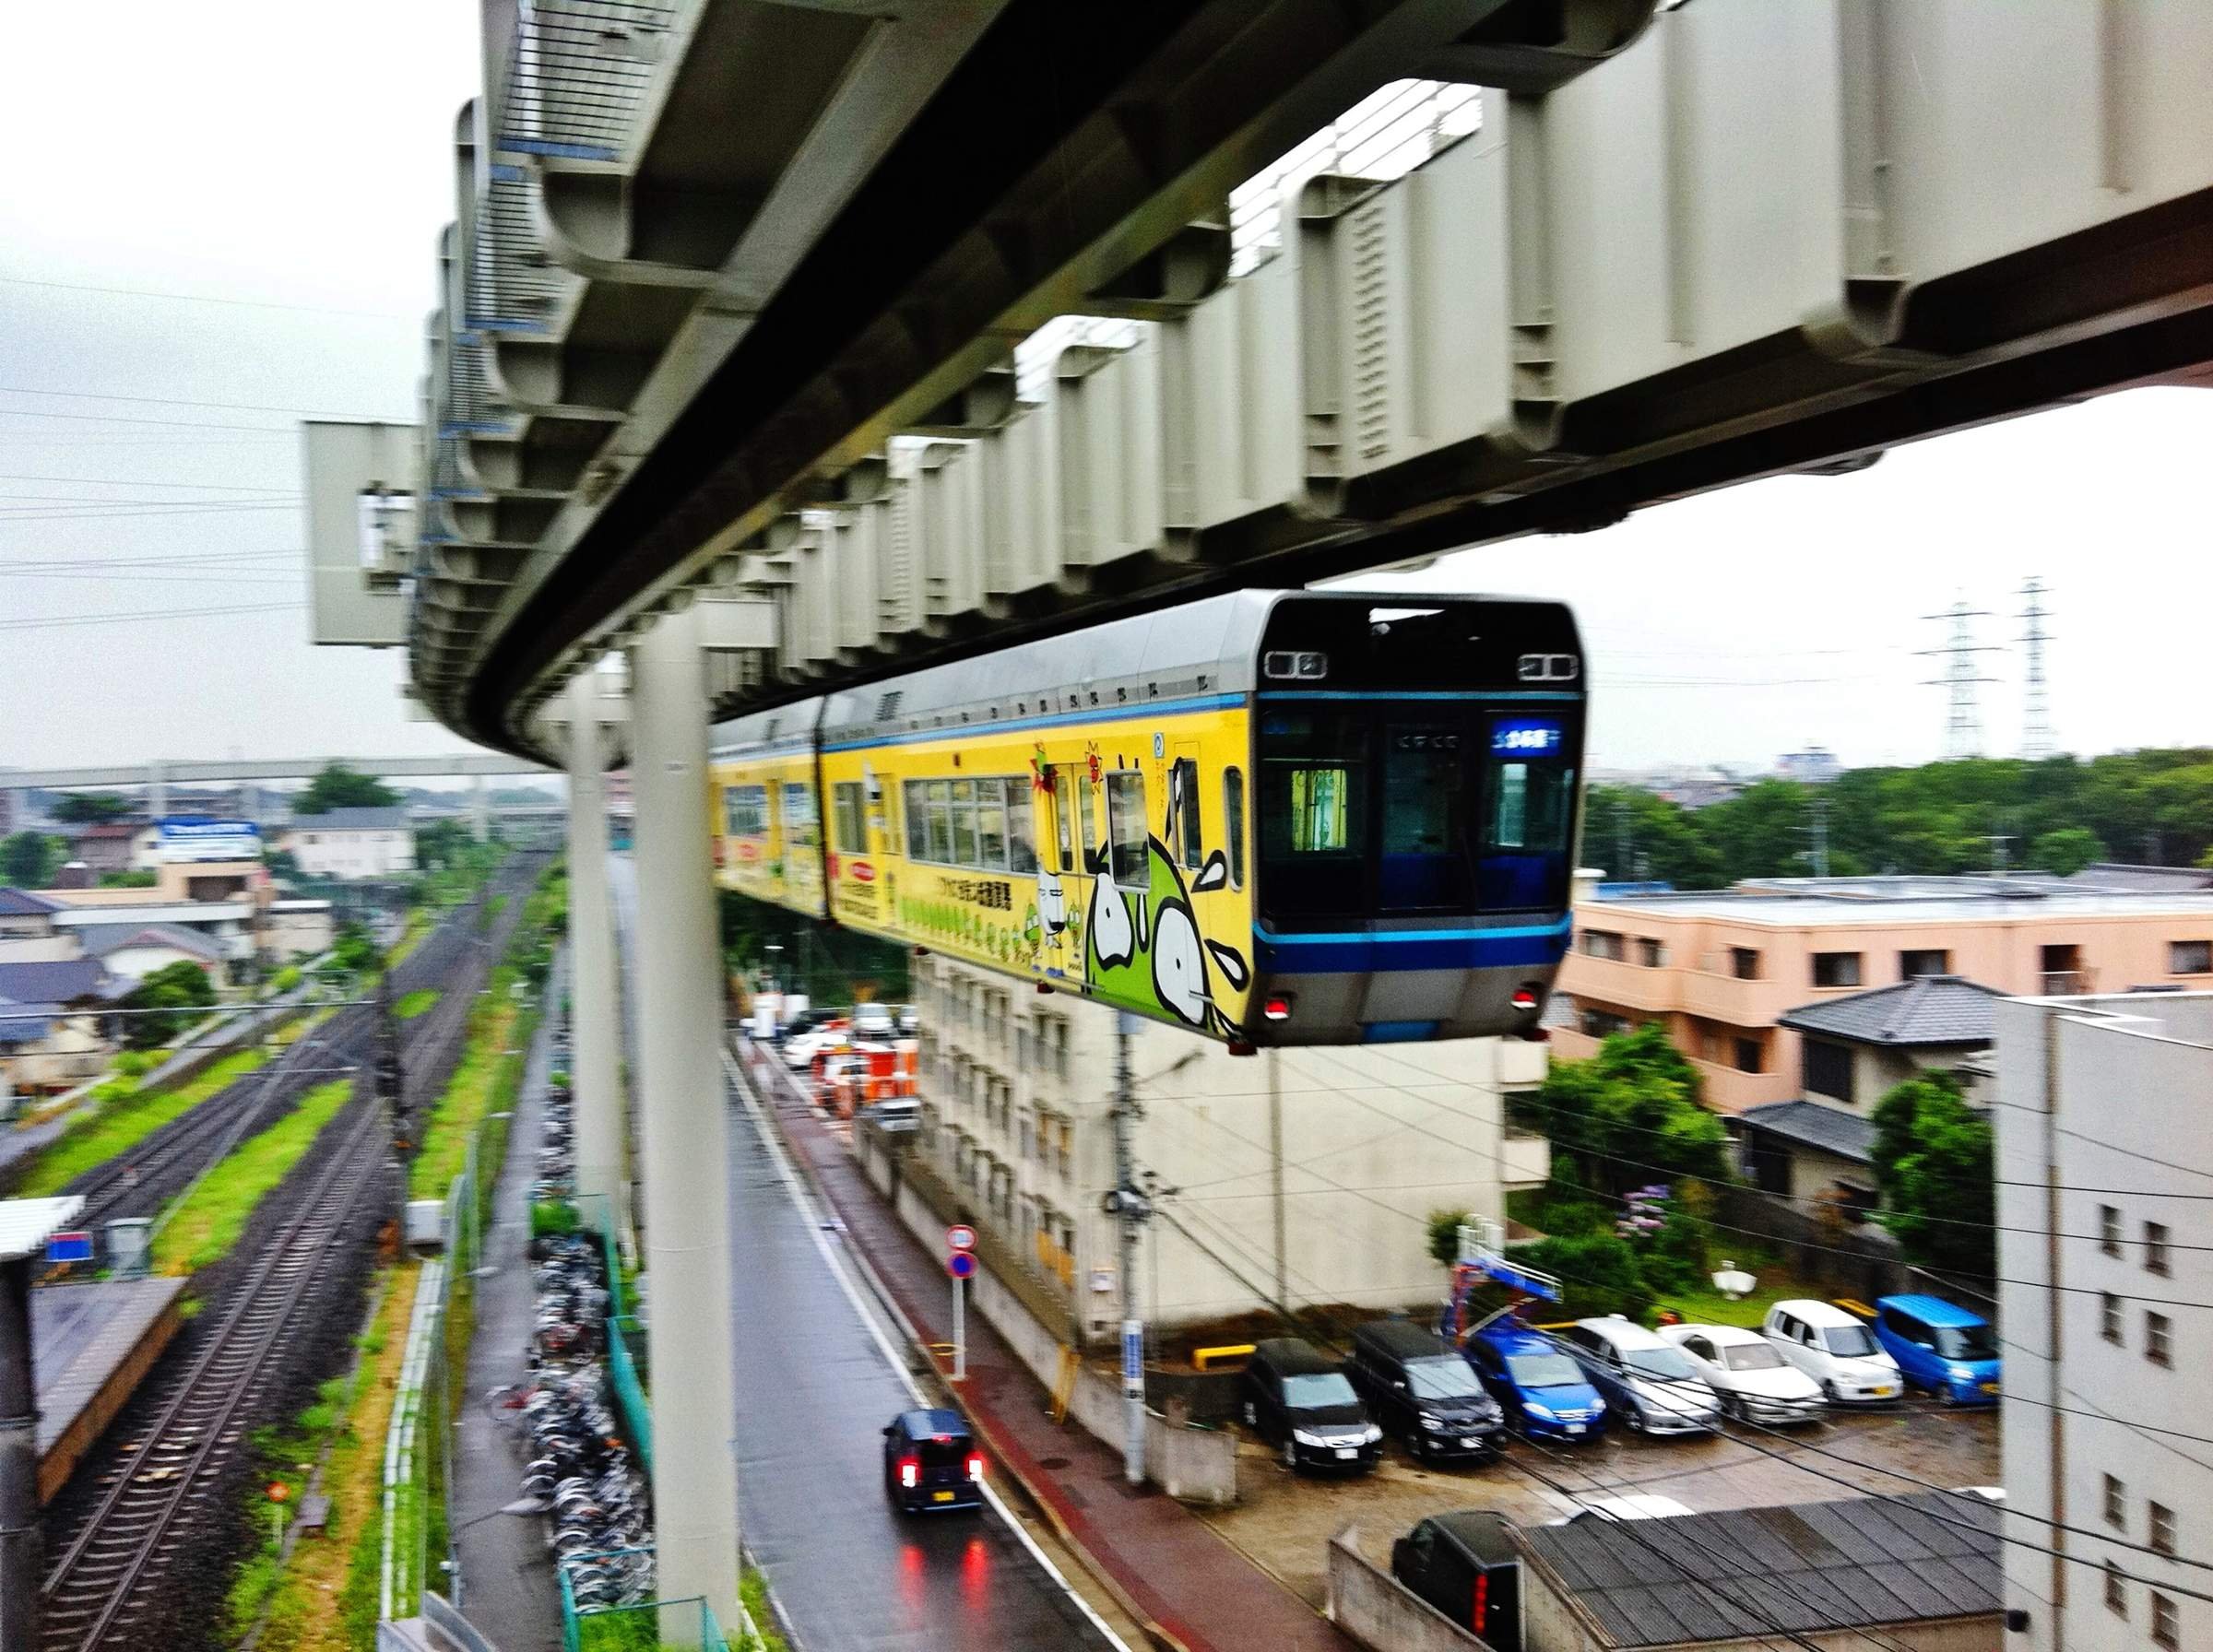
<point x="295" y="162"/>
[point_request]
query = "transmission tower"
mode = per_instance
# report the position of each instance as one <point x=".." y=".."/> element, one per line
<point x="2037" y="738"/>
<point x="1963" y="721"/>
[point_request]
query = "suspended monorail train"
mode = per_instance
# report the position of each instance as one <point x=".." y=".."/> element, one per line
<point x="1272" y="816"/>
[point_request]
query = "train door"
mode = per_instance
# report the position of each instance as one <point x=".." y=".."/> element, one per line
<point x="1186" y="836"/>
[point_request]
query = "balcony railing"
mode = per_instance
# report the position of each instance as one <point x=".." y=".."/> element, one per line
<point x="2066" y="984"/>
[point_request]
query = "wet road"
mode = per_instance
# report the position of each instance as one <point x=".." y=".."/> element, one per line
<point x="815" y="1389"/>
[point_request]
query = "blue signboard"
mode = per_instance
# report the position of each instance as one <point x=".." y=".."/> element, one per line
<point x="1526" y="736"/>
<point x="961" y="1265"/>
<point x="1133" y="1354"/>
<point x="69" y="1247"/>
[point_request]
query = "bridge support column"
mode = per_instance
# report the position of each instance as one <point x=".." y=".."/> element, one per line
<point x="480" y="811"/>
<point x="685" y="1126"/>
<point x="595" y="996"/>
<point x="156" y="791"/>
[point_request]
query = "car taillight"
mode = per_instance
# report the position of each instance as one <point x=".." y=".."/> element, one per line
<point x="976" y="1466"/>
<point x="910" y="1472"/>
<point x="1277" y="1010"/>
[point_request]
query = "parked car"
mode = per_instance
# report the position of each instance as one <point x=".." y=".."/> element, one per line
<point x="1544" y="1391"/>
<point x="1299" y="1400"/>
<point x="807" y="1018"/>
<point x="1644" y="1378"/>
<point x="931" y="1463"/>
<point x="1465" y="1564"/>
<point x="1637" y="1505"/>
<point x="874" y="1020"/>
<point x="1422" y="1391"/>
<point x="1834" y="1348"/>
<point x="1950" y="1350"/>
<point x="1747" y="1373"/>
<point x="895" y="1114"/>
<point x="800" y="1049"/>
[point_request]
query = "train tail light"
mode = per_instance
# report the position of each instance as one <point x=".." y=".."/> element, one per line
<point x="1277" y="1008"/>
<point x="1524" y="998"/>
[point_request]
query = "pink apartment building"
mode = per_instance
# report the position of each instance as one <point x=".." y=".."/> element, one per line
<point x="1721" y="968"/>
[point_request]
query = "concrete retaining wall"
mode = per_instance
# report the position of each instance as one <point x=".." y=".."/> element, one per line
<point x="1368" y="1604"/>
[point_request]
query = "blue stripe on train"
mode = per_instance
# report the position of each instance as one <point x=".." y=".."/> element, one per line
<point x="1360" y="952"/>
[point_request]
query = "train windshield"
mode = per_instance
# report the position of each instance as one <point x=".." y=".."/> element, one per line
<point x="1378" y="808"/>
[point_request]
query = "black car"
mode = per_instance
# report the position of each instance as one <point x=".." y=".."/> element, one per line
<point x="1422" y="1391"/>
<point x="931" y="1462"/>
<point x="1301" y="1402"/>
<point x="1465" y="1565"/>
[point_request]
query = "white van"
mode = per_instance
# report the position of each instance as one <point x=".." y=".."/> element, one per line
<point x="1836" y="1349"/>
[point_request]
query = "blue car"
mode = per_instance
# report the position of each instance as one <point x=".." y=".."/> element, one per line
<point x="1940" y="1346"/>
<point x="1540" y="1388"/>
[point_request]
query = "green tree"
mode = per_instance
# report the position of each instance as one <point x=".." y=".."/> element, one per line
<point x="181" y="988"/>
<point x="128" y="880"/>
<point x="352" y="949"/>
<point x="29" y="860"/>
<point x="1598" y="1274"/>
<point x="2066" y="850"/>
<point x="1443" y="1235"/>
<point x="1934" y="1157"/>
<point x="90" y="808"/>
<point x="338" y="787"/>
<point x="1632" y="1114"/>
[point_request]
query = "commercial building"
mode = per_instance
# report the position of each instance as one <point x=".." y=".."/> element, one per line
<point x="352" y="843"/>
<point x="1722" y="970"/>
<point x="2104" y="1162"/>
<point x="1299" y="1176"/>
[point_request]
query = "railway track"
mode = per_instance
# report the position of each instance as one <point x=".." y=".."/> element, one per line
<point x="107" y="1587"/>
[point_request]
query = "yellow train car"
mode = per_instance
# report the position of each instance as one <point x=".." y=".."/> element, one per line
<point x="1268" y="816"/>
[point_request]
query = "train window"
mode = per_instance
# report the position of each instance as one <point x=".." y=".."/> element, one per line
<point x="1022" y="831"/>
<point x="745" y="810"/>
<point x="917" y="820"/>
<point x="940" y="821"/>
<point x="1064" y="814"/>
<point x="1529" y="805"/>
<point x="1191" y="841"/>
<point x="991" y="825"/>
<point x="770" y="815"/>
<point x="1312" y="812"/>
<point x="1232" y="823"/>
<point x="964" y="823"/>
<point x="799" y="815"/>
<point x="1085" y="814"/>
<point x="1126" y="830"/>
<point x="846" y="820"/>
<point x="1424" y="862"/>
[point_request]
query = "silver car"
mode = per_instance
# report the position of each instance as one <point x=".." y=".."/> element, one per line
<point x="1646" y="1381"/>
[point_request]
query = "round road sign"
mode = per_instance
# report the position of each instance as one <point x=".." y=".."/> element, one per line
<point x="961" y="1237"/>
<point x="961" y="1265"/>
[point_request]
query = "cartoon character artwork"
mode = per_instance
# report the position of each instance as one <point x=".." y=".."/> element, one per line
<point x="1147" y="945"/>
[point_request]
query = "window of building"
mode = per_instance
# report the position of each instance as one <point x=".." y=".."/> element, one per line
<point x="1603" y="943"/>
<point x="2154" y="1247"/>
<point x="2161" y="1520"/>
<point x="2159" y="1339"/>
<point x="849" y="832"/>
<point x="2109" y="1229"/>
<point x="1602" y="1023"/>
<point x="1743" y="962"/>
<point x="1651" y="953"/>
<point x="2190" y="957"/>
<point x="1747" y="1055"/>
<point x="2062" y="966"/>
<point x="1232" y="823"/>
<point x="2109" y="1318"/>
<point x="1126" y="831"/>
<point x="1836" y="968"/>
<point x="2166" y="1624"/>
<point x="2116" y="1503"/>
<point x="1828" y="1069"/>
<point x="2116" y="1588"/>
<point x="1923" y="961"/>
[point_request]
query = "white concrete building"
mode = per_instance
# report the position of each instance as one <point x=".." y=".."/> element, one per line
<point x="353" y="842"/>
<point x="2105" y="1139"/>
<point x="1301" y="1176"/>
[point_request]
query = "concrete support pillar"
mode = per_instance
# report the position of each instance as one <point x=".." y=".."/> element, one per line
<point x="156" y="791"/>
<point x="594" y="994"/>
<point x="479" y="810"/>
<point x="686" y="1160"/>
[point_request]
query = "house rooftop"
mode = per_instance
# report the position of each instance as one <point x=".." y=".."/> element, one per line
<point x="22" y="903"/>
<point x="61" y="981"/>
<point x="354" y="819"/>
<point x="1894" y="902"/>
<point x="1807" y="1569"/>
<point x="102" y="939"/>
<point x="1809" y="1124"/>
<point x="1929" y="1010"/>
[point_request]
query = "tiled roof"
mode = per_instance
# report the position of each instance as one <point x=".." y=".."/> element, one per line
<point x="1806" y="1569"/>
<point x="353" y="820"/>
<point x="1930" y="1010"/>
<point x="2114" y="874"/>
<point x="102" y="939"/>
<point x="63" y="981"/>
<point x="1809" y="1124"/>
<point x="22" y="903"/>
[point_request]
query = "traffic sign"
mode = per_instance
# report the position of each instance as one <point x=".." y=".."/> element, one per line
<point x="961" y="1265"/>
<point x="961" y="1237"/>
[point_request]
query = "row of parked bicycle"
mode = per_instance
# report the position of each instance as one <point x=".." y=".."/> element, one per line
<point x="578" y="1470"/>
<point x="1567" y="1383"/>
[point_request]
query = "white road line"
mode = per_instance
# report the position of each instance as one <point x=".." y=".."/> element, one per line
<point x="804" y="1199"/>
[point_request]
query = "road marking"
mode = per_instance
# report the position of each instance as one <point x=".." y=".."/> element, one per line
<point x="809" y="1210"/>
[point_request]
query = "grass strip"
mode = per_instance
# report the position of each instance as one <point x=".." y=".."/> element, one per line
<point x="202" y="1229"/>
<point x="419" y="924"/>
<point x="413" y="1004"/>
<point x="123" y="1121"/>
<point x="485" y="1080"/>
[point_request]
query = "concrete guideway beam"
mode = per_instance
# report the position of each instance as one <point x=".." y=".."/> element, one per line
<point x="686" y="1128"/>
<point x="595" y="1005"/>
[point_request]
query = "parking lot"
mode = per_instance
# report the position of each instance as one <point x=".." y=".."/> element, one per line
<point x="1284" y="1522"/>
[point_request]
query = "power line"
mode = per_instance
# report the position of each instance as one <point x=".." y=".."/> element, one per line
<point x="208" y="508"/>
<point x="182" y="424"/>
<point x="201" y="298"/>
<point x="177" y="401"/>
<point x="1963" y="722"/>
<point x="208" y="613"/>
<point x="138" y="481"/>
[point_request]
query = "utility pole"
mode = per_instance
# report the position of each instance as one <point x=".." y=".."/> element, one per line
<point x="391" y="1088"/>
<point x="2037" y="738"/>
<point x="1963" y="721"/>
<point x="1130" y="1207"/>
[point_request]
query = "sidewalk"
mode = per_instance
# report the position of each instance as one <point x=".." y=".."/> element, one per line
<point x="507" y="1586"/>
<point x="1190" y="1588"/>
